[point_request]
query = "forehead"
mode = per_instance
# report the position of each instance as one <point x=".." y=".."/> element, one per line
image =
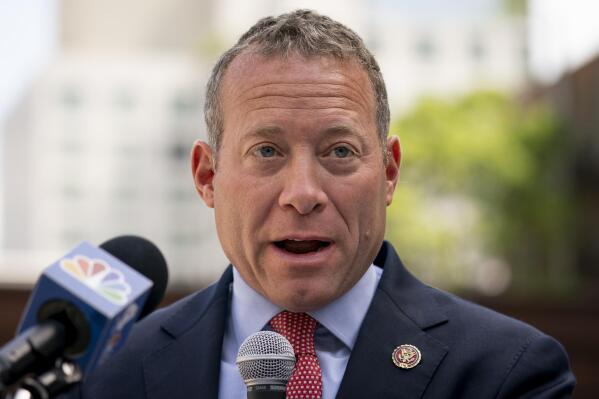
<point x="296" y="81"/>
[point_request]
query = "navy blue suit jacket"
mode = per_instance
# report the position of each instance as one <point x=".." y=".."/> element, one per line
<point x="467" y="351"/>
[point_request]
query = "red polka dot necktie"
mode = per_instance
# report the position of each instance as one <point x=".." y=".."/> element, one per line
<point x="299" y="328"/>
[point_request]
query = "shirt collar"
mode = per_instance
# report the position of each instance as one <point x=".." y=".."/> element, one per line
<point x="250" y="311"/>
<point x="343" y="317"/>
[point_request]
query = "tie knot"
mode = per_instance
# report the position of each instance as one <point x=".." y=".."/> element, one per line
<point x="298" y="328"/>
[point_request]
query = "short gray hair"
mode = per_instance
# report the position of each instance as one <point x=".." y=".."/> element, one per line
<point x="306" y="33"/>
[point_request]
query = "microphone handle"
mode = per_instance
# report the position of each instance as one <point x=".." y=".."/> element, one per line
<point x="48" y="385"/>
<point x="32" y="350"/>
<point x="266" y="391"/>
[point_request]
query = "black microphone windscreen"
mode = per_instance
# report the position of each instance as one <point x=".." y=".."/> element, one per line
<point x="145" y="257"/>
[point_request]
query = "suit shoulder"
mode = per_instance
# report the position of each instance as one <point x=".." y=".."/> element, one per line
<point x="515" y="358"/>
<point x="150" y="332"/>
<point x="481" y="334"/>
<point x="478" y="319"/>
<point x="147" y="336"/>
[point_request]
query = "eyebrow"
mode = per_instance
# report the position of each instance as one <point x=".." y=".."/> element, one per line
<point x="268" y="130"/>
<point x="344" y="130"/>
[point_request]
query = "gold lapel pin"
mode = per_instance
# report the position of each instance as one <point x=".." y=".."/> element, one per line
<point x="406" y="356"/>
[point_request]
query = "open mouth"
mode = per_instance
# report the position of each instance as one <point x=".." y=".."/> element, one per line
<point x="302" y="246"/>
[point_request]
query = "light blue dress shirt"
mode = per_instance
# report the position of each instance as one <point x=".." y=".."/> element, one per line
<point x="339" y="323"/>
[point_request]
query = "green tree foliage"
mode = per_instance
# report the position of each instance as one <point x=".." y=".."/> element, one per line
<point x="482" y="202"/>
<point x="515" y="7"/>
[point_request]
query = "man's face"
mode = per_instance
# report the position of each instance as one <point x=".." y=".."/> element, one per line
<point x="300" y="187"/>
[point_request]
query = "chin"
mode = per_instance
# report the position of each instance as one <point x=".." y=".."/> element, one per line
<point x="305" y="301"/>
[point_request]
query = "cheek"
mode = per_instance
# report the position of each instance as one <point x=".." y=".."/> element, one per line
<point x="362" y="206"/>
<point x="359" y="197"/>
<point x="242" y="203"/>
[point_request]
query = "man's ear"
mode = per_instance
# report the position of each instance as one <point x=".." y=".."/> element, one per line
<point x="392" y="166"/>
<point x="202" y="169"/>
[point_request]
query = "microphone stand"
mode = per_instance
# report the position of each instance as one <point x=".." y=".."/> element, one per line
<point x="63" y="376"/>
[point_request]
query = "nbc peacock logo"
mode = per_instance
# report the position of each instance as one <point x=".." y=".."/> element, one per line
<point x="99" y="276"/>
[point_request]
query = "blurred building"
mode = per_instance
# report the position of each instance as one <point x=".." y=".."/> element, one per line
<point x="575" y="97"/>
<point x="449" y="57"/>
<point x="424" y="53"/>
<point x="236" y="16"/>
<point x="134" y="25"/>
<point x="100" y="147"/>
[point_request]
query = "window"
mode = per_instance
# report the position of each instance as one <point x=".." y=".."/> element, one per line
<point x="426" y="48"/>
<point x="477" y="48"/>
<point x="71" y="97"/>
<point x="179" y="152"/>
<point x="124" y="101"/>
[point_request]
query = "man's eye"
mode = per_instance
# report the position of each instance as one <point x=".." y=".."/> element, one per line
<point x="266" y="151"/>
<point x="341" y="152"/>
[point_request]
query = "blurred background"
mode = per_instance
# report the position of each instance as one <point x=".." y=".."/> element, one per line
<point x="496" y="103"/>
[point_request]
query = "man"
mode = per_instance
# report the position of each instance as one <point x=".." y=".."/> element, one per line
<point x="299" y="171"/>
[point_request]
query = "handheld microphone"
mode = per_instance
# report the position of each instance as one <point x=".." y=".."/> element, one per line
<point x="265" y="361"/>
<point x="84" y="305"/>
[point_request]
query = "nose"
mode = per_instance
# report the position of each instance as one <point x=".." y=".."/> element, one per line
<point x="302" y="188"/>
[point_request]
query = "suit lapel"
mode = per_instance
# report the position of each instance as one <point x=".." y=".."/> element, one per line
<point x="401" y="310"/>
<point x="189" y="365"/>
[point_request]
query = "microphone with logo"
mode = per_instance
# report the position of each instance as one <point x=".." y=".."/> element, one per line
<point x="82" y="309"/>
<point x="265" y="361"/>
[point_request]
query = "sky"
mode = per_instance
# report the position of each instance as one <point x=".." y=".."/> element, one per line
<point x="28" y="40"/>
<point x="564" y="34"/>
